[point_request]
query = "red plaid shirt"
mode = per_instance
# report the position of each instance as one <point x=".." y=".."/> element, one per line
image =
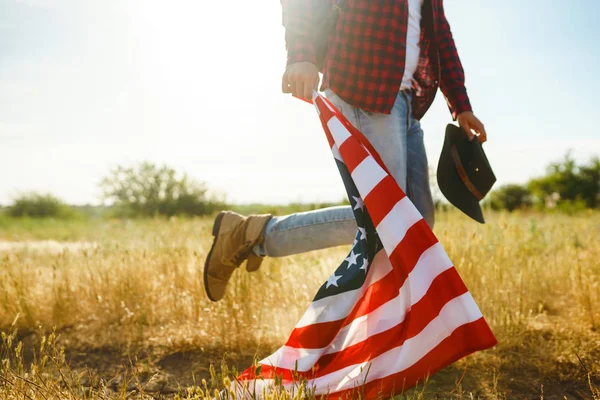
<point x="366" y="56"/>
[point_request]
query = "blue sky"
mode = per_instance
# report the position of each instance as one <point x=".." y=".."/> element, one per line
<point x="86" y="85"/>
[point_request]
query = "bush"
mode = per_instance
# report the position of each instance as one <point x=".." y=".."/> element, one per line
<point x="576" y="185"/>
<point x="510" y="197"/>
<point x="36" y="205"/>
<point x="146" y="190"/>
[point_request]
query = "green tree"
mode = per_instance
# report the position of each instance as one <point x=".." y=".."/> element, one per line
<point x="589" y="176"/>
<point x="36" y="205"/>
<point x="149" y="190"/>
<point x="570" y="182"/>
<point x="510" y="197"/>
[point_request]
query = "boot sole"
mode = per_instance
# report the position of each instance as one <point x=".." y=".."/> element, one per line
<point x="215" y="233"/>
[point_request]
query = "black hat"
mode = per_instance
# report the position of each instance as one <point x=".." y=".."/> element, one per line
<point x="464" y="174"/>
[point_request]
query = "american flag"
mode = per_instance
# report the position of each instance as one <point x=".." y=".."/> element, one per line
<point x="394" y="312"/>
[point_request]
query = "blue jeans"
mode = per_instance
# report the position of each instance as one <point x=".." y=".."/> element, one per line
<point x="398" y="138"/>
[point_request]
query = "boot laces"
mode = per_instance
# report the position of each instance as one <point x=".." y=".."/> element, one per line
<point x="243" y="253"/>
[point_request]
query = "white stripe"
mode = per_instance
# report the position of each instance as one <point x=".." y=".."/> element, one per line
<point x="317" y="108"/>
<point x="457" y="312"/>
<point x="287" y="357"/>
<point x="432" y="262"/>
<point x="395" y="224"/>
<point x="328" y="104"/>
<point x="334" y="308"/>
<point x="367" y="175"/>
<point x="336" y="153"/>
<point x="338" y="131"/>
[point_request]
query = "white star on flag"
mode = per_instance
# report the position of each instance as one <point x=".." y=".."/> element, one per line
<point x="363" y="233"/>
<point x="365" y="265"/>
<point x="332" y="281"/>
<point x="359" y="203"/>
<point x="352" y="259"/>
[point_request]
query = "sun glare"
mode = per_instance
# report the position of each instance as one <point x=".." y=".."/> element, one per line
<point x="214" y="70"/>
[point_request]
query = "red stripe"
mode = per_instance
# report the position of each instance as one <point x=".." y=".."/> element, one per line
<point x="329" y="137"/>
<point x="304" y="100"/>
<point x="465" y="340"/>
<point x="352" y="153"/>
<point x="406" y="254"/>
<point x="382" y="198"/>
<point x="268" y="372"/>
<point x="315" y="336"/>
<point x="325" y="114"/>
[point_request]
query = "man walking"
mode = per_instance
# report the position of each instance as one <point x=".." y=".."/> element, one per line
<point x="384" y="64"/>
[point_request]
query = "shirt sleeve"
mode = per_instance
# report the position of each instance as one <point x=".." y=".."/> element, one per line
<point x="452" y="80"/>
<point x="297" y="20"/>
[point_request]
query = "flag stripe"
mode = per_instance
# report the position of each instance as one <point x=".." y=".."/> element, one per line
<point x="336" y="153"/>
<point x="338" y="131"/>
<point x="392" y="229"/>
<point x="382" y="198"/>
<point x="353" y="154"/>
<point x="418" y="239"/>
<point x="367" y="175"/>
<point x="359" y="137"/>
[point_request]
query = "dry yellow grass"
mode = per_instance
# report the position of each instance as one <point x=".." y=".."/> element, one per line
<point x="131" y="304"/>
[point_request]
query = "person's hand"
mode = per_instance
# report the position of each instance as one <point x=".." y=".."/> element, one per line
<point x="469" y="123"/>
<point x="300" y="79"/>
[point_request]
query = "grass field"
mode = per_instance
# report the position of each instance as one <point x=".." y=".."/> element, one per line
<point x="110" y="309"/>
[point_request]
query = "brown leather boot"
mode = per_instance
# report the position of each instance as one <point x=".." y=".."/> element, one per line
<point x="235" y="236"/>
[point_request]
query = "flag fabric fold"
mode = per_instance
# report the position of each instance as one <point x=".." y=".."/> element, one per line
<point x="394" y="312"/>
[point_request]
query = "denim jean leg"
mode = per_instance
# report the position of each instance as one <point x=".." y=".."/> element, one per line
<point x="419" y="190"/>
<point x="307" y="231"/>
